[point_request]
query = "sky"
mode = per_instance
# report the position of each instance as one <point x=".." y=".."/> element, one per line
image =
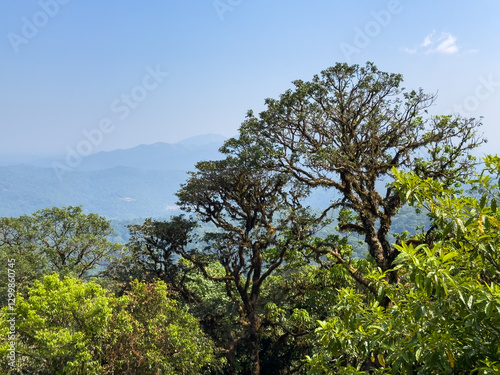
<point x="95" y="75"/>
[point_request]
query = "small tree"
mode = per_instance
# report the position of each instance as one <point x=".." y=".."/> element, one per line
<point x="152" y="334"/>
<point x="71" y="327"/>
<point x="73" y="242"/>
<point x="60" y="328"/>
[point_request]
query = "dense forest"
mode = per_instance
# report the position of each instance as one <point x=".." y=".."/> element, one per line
<point x="397" y="274"/>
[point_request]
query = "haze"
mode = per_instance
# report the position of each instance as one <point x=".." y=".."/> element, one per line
<point x="130" y="73"/>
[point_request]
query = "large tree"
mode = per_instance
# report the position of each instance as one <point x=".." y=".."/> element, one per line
<point x="256" y="221"/>
<point x="346" y="129"/>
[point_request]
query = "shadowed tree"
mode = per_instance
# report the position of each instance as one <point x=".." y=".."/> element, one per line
<point x="257" y="220"/>
<point x="152" y="253"/>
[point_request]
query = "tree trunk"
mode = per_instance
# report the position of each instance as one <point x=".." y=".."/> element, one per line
<point x="254" y="354"/>
<point x="381" y="251"/>
<point x="254" y="343"/>
<point x="230" y="356"/>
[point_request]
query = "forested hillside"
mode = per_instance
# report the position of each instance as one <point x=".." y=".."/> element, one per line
<point x="121" y="184"/>
<point x="249" y="277"/>
<point x="119" y="192"/>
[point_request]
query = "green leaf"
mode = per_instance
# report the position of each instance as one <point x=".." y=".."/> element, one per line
<point x="460" y="225"/>
<point x="470" y="302"/>
<point x="380" y="291"/>
<point x="447" y="229"/>
<point x="482" y="203"/>
<point x="488" y="309"/>
<point x="381" y="359"/>
<point x="449" y="256"/>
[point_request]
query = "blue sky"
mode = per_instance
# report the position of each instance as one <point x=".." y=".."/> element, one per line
<point x="122" y="73"/>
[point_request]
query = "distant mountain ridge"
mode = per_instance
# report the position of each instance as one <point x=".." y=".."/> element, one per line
<point x="157" y="156"/>
<point x="203" y="139"/>
<point x="123" y="184"/>
<point x="120" y="184"/>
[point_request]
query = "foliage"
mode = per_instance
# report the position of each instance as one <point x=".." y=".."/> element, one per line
<point x="153" y="334"/>
<point x="63" y="240"/>
<point x="153" y="253"/>
<point x="71" y="327"/>
<point x="297" y="295"/>
<point x="346" y="129"/>
<point x="445" y="312"/>
<point x="61" y="327"/>
<point x="18" y="246"/>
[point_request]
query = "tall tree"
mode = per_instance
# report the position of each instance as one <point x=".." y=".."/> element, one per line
<point x="257" y="220"/>
<point x="346" y="129"/>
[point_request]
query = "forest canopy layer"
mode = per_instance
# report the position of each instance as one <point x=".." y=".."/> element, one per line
<point x="251" y="280"/>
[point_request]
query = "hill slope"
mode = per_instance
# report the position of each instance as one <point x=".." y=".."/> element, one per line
<point x="119" y="192"/>
<point x="121" y="184"/>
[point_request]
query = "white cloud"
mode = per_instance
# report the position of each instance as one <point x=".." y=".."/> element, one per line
<point x="427" y="41"/>
<point x="127" y="199"/>
<point x="411" y="50"/>
<point x="444" y="43"/>
<point x="447" y="44"/>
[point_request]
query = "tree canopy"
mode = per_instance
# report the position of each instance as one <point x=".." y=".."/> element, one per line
<point x="63" y="240"/>
<point x="347" y="129"/>
<point x="68" y="326"/>
<point x="254" y="279"/>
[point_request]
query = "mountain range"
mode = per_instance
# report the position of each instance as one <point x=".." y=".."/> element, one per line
<point x="119" y="184"/>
